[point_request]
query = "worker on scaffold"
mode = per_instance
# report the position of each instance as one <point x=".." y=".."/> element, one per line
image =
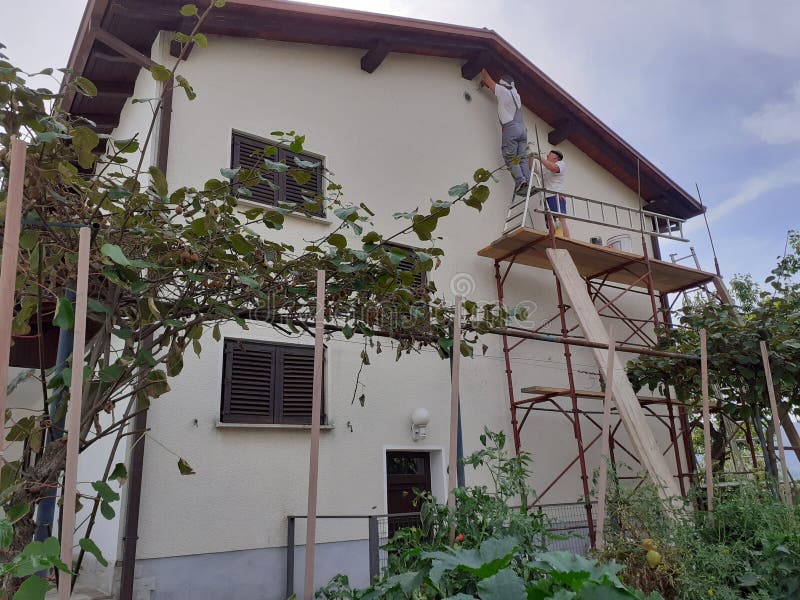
<point x="515" y="134"/>
<point x="552" y="171"/>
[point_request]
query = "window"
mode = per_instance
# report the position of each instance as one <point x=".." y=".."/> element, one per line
<point x="267" y="383"/>
<point x="279" y="187"/>
<point x="421" y="277"/>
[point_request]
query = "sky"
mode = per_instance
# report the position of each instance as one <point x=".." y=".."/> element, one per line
<point x="708" y="91"/>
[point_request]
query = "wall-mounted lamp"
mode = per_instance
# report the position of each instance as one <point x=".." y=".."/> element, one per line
<point x="419" y="424"/>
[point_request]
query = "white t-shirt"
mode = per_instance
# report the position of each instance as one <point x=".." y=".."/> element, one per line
<point x="554" y="181"/>
<point x="508" y="101"/>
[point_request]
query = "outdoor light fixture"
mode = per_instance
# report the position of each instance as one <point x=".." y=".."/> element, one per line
<point x="419" y="424"/>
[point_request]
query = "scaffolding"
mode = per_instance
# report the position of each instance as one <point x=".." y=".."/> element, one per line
<point x="611" y="275"/>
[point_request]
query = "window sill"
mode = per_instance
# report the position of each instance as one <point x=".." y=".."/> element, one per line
<point x="293" y="215"/>
<point x="287" y="426"/>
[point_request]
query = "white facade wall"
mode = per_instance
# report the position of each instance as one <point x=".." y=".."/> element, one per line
<point x="393" y="139"/>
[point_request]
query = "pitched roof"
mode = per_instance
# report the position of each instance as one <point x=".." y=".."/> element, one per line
<point x="137" y="22"/>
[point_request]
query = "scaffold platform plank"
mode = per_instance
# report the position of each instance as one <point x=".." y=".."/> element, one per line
<point x="592" y="260"/>
<point x="549" y="392"/>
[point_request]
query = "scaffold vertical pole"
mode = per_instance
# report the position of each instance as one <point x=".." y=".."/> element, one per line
<point x="507" y="357"/>
<point x="576" y="412"/>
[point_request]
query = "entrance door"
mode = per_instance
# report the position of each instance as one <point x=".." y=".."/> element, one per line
<point x="405" y="472"/>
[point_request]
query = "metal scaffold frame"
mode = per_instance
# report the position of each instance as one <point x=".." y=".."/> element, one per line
<point x="635" y="333"/>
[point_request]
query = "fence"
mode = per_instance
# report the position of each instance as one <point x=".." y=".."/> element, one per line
<point x="565" y="522"/>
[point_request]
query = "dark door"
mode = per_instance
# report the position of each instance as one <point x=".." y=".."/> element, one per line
<point x="405" y="472"/>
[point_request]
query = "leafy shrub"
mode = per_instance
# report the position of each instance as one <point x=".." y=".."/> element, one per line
<point x="750" y="549"/>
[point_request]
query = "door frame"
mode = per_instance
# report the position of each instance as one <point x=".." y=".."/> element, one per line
<point x="438" y="469"/>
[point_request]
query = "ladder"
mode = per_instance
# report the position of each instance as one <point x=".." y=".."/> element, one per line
<point x="520" y="212"/>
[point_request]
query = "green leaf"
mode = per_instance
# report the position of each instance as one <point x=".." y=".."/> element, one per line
<point x="181" y="37"/>
<point x="184" y="467"/>
<point x="111" y="373"/>
<point x="215" y="333"/>
<point x="159" y="181"/>
<point x="160" y="73"/>
<point x="105" y="492"/>
<point x="184" y="83"/>
<point x="347" y="213"/>
<point x="240" y="244"/>
<point x="458" y="190"/>
<point x="248" y="281"/>
<point x="157" y="384"/>
<point x="504" y="585"/>
<point x="65" y="315"/>
<point x="89" y="546"/>
<point x="115" y="253"/>
<point x="84" y="138"/>
<point x="85" y="87"/>
<point x="300" y="176"/>
<point x="337" y="240"/>
<point x="200" y="39"/>
<point x="6" y="534"/>
<point x="119" y="474"/>
<point x="219" y="3"/>
<point x="481" y="175"/>
<point x="16" y="512"/>
<point x="188" y="10"/>
<point x="33" y="588"/>
<point x="107" y="511"/>
<point x="126" y="146"/>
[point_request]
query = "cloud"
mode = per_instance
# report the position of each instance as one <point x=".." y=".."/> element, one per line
<point x="753" y="188"/>
<point x="777" y="122"/>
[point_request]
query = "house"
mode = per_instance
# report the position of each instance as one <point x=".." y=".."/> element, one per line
<point x="390" y="106"/>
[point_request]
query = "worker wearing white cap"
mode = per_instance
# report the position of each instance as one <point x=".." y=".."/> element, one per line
<point x="515" y="134"/>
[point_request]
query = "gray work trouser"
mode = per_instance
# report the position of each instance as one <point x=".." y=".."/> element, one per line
<point x="514" y="149"/>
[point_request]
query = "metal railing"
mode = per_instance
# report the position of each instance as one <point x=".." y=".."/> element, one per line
<point x="566" y="521"/>
<point x="588" y="210"/>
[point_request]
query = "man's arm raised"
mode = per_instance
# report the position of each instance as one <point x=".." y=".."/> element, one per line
<point x="487" y="80"/>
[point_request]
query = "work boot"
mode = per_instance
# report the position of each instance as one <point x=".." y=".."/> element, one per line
<point x="522" y="188"/>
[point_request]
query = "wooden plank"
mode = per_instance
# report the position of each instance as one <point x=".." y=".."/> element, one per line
<point x="8" y="271"/>
<point x="591" y="259"/>
<point x="776" y="423"/>
<point x="630" y="412"/>
<point x="452" y="469"/>
<point x="313" y="460"/>
<point x="605" y="452"/>
<point x="74" y="411"/>
<point x="722" y="291"/>
<point x="706" y="420"/>
<point x="589" y="394"/>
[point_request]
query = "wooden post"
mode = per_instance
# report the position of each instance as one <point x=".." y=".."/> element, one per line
<point x="776" y="423"/>
<point x="316" y="413"/>
<point x="706" y="420"/>
<point x="452" y="469"/>
<point x="602" y="482"/>
<point x="8" y="272"/>
<point x="67" y="531"/>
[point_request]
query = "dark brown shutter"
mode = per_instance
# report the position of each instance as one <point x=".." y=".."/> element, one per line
<point x="249" y="382"/>
<point x="311" y="189"/>
<point x="248" y="153"/>
<point x="297" y="384"/>
<point x="420" y="278"/>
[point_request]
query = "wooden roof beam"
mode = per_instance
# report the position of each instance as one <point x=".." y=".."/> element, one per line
<point x="374" y="57"/>
<point x="176" y="49"/>
<point x="125" y="50"/>
<point x="563" y="129"/>
<point x="473" y="66"/>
